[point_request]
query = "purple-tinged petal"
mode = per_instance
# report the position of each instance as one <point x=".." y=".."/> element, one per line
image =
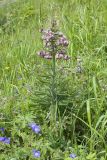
<point x="48" y="56"/>
<point x="36" y="153"/>
<point x="5" y="140"/>
<point x="32" y="125"/>
<point x="36" y="128"/>
<point x="66" y="57"/>
<point x="65" y="43"/>
<point x="62" y="41"/>
<point x="59" y="56"/>
<point x="72" y="155"/>
<point x="2" y="139"/>
<point x="48" y="35"/>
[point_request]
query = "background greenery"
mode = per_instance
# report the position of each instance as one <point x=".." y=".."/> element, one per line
<point x="81" y="126"/>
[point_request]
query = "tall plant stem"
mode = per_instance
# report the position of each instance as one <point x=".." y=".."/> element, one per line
<point x="53" y="79"/>
<point x="53" y="91"/>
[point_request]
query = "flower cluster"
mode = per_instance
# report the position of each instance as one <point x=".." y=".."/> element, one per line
<point x="36" y="128"/>
<point x="62" y="41"/>
<point x="54" y="43"/>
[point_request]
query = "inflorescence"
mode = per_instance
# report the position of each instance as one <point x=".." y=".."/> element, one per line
<point x="54" y="42"/>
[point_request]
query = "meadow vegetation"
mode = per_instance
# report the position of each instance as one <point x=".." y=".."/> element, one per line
<point x="77" y="126"/>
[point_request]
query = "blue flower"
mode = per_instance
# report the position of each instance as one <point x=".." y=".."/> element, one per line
<point x="5" y="140"/>
<point x="35" y="127"/>
<point x="73" y="155"/>
<point x="36" y="153"/>
<point x="2" y="129"/>
<point x="2" y="139"/>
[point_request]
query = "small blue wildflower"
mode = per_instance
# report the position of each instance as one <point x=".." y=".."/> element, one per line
<point x="36" y="153"/>
<point x="73" y="155"/>
<point x="2" y="139"/>
<point x="35" y="127"/>
<point x="5" y="140"/>
<point x="2" y="129"/>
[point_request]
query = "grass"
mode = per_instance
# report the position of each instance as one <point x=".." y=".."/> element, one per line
<point x="25" y="80"/>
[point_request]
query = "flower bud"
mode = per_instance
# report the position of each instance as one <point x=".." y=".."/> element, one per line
<point x="66" y="43"/>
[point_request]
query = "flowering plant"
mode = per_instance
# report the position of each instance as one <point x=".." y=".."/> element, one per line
<point x="55" y="46"/>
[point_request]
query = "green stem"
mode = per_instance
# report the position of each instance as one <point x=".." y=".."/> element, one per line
<point x="53" y="79"/>
<point x="53" y="106"/>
